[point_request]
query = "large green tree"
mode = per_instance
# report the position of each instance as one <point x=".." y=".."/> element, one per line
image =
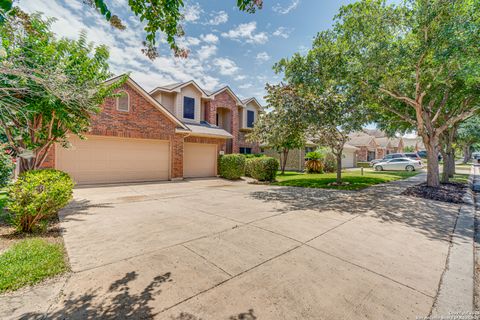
<point x="283" y="127"/>
<point x="160" y="17"/>
<point x="416" y="64"/>
<point x="334" y="109"/>
<point x="468" y="136"/>
<point x="49" y="87"/>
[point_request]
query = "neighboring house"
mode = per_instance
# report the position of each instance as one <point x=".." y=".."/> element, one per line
<point x="374" y="144"/>
<point x="296" y="157"/>
<point x="414" y="143"/>
<point x="175" y="132"/>
<point x="366" y="145"/>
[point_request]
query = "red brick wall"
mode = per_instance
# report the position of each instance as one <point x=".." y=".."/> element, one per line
<point x="381" y="152"/>
<point x="242" y="142"/>
<point x="176" y="143"/>
<point x="143" y="121"/>
<point x="225" y="100"/>
<point x="362" y="153"/>
<point x="49" y="161"/>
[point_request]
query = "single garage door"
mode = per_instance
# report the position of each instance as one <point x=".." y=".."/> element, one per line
<point x="110" y="159"/>
<point x="347" y="160"/>
<point x="199" y="160"/>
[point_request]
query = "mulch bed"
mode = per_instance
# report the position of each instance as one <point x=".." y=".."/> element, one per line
<point x="447" y="192"/>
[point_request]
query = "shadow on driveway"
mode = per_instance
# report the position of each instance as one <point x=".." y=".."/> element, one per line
<point x="434" y="219"/>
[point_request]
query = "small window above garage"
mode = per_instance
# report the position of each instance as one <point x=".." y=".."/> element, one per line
<point x="123" y="102"/>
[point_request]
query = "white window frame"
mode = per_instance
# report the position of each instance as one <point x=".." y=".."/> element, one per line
<point x="128" y="104"/>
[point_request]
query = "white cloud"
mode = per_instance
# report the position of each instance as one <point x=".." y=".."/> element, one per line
<point x="226" y="66"/>
<point x="192" y="12"/>
<point x="284" y="10"/>
<point x="217" y="17"/>
<point x="246" y="32"/>
<point x="209" y="38"/>
<point x="245" y="86"/>
<point x="263" y="56"/>
<point x="188" y="42"/>
<point x="240" y="77"/>
<point x="282" y="32"/>
<point x="125" y="53"/>
<point x="207" y="51"/>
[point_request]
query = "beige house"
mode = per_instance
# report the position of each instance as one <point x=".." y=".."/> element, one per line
<point x="374" y="144"/>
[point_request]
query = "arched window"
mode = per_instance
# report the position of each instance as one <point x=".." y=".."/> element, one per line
<point x="123" y="102"/>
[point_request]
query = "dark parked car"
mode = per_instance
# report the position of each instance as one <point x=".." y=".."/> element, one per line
<point x="423" y="154"/>
<point x="413" y="155"/>
<point x="388" y="157"/>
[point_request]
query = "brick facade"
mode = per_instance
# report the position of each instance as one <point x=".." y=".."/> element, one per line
<point x="226" y="101"/>
<point x="144" y="121"/>
<point x="242" y="142"/>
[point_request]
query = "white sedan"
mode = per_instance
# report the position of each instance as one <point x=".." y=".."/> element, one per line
<point x="399" y="164"/>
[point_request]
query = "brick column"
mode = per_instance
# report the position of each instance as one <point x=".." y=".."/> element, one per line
<point x="176" y="142"/>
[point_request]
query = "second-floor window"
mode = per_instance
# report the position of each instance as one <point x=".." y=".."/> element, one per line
<point x="188" y="108"/>
<point x="123" y="102"/>
<point x="250" y="118"/>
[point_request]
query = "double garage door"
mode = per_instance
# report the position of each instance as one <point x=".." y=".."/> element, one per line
<point x="111" y="160"/>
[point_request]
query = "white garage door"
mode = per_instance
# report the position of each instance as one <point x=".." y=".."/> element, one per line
<point x="347" y="160"/>
<point x="110" y="159"/>
<point x="199" y="160"/>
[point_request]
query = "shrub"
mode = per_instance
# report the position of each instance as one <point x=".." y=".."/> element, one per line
<point x="314" y="163"/>
<point x="254" y="155"/>
<point x="262" y="168"/>
<point x="363" y="164"/>
<point x="232" y="166"/>
<point x="37" y="196"/>
<point x="330" y="163"/>
<point x="6" y="167"/>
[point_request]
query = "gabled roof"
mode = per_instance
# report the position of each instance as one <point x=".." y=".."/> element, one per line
<point x="175" y="87"/>
<point x="383" y="142"/>
<point x="230" y="91"/>
<point x="150" y="99"/>
<point x="252" y="99"/>
<point x="361" y="139"/>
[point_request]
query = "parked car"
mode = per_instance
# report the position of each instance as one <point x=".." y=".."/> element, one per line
<point x="388" y="157"/>
<point x="413" y="155"/>
<point x="423" y="155"/>
<point x="476" y="155"/>
<point x="399" y="164"/>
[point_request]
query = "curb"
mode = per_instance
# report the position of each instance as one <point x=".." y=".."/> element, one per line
<point x="456" y="290"/>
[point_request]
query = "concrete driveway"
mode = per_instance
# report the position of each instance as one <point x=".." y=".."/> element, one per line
<point x="213" y="249"/>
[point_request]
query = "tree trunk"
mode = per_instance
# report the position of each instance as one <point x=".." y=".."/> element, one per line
<point x="339" y="168"/>
<point x="283" y="159"/>
<point x="467" y="154"/>
<point x="25" y="164"/>
<point x="433" y="175"/>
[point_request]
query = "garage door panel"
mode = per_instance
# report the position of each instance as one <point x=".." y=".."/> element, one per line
<point x="199" y="160"/>
<point x="108" y="159"/>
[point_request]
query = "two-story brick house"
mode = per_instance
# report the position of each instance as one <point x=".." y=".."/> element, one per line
<point x="221" y="108"/>
<point x="173" y="132"/>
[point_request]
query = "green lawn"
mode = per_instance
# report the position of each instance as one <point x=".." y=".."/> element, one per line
<point x="30" y="261"/>
<point x="353" y="177"/>
<point x="460" y="178"/>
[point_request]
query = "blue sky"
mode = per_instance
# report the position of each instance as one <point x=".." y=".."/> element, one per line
<point x="226" y="46"/>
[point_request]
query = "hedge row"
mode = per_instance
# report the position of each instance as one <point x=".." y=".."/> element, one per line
<point x="234" y="166"/>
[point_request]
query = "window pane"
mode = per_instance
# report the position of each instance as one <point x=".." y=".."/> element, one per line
<point x="122" y="102"/>
<point x="248" y="150"/>
<point x="250" y="118"/>
<point x="188" y="108"/>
